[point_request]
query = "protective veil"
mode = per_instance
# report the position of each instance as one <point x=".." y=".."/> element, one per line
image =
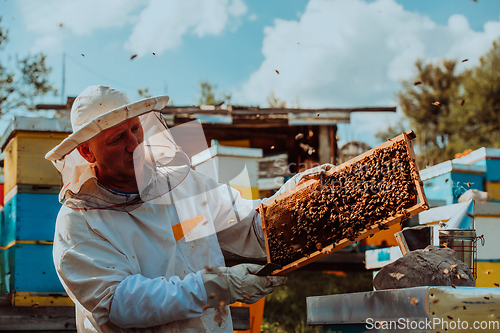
<point x="160" y="165"/>
<point x="132" y="262"/>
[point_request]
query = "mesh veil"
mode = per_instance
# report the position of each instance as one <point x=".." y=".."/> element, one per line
<point x="159" y="164"/>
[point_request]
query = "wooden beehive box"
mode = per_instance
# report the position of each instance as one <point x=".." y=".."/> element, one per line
<point x="24" y="144"/>
<point x="31" y="205"/>
<point x="352" y="201"/>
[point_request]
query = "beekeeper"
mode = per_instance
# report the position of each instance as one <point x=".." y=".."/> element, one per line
<point x="138" y="238"/>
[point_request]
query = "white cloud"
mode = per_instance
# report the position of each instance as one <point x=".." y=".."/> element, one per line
<point x="49" y="44"/>
<point x="56" y="20"/>
<point x="78" y="17"/>
<point x="158" y="25"/>
<point x="162" y="24"/>
<point x="252" y="17"/>
<point x="237" y="8"/>
<point x="352" y="53"/>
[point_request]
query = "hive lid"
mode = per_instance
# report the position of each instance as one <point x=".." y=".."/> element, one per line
<point x="217" y="150"/>
<point x="477" y="155"/>
<point x="450" y="166"/>
<point x="62" y="125"/>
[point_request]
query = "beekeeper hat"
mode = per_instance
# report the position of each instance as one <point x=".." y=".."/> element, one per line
<point x="98" y="108"/>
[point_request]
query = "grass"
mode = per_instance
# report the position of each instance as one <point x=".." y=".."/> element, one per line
<point x="285" y="309"/>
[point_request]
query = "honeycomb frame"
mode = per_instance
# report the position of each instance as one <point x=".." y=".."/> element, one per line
<point x="421" y="205"/>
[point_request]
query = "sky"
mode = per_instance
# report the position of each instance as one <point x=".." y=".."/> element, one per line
<point x="329" y="53"/>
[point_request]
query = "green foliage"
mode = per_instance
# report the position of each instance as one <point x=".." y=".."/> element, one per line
<point x="391" y="131"/>
<point x="431" y="122"/>
<point x="34" y="79"/>
<point x="207" y="95"/>
<point x="285" y="309"/>
<point x="20" y="86"/>
<point x="478" y="121"/>
<point x="275" y="102"/>
<point x="144" y="93"/>
<point x="451" y="112"/>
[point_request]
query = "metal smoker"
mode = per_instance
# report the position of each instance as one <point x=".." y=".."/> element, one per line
<point x="459" y="235"/>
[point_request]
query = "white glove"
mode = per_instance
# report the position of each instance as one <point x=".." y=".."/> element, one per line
<point x="313" y="173"/>
<point x="237" y="284"/>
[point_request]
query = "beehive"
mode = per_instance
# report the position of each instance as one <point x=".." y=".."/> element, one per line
<point x="238" y="167"/>
<point x="352" y="201"/>
<point x="31" y="205"/>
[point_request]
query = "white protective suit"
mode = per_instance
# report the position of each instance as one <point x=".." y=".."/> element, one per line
<point x="127" y="269"/>
<point x="132" y="262"/>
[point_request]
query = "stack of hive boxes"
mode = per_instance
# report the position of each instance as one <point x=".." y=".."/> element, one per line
<point x="444" y="183"/>
<point x="488" y="158"/>
<point x="31" y="205"/>
<point x="235" y="166"/>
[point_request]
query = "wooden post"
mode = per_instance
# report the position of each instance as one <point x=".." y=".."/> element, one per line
<point x="333" y="144"/>
<point x="324" y="150"/>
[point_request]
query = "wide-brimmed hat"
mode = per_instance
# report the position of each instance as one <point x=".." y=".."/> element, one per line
<point x="98" y="108"/>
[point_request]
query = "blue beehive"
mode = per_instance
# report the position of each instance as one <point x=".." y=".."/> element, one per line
<point x="490" y="159"/>
<point x="444" y="183"/>
<point x="29" y="220"/>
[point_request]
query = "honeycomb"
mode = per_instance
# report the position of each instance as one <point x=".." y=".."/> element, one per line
<point x="342" y="204"/>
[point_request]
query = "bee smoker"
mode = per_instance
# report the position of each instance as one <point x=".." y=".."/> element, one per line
<point x="459" y="235"/>
<point x="463" y="242"/>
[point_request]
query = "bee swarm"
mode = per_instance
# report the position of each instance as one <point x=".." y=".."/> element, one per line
<point x="342" y="204"/>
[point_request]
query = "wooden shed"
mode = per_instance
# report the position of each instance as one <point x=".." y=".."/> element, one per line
<point x="308" y="136"/>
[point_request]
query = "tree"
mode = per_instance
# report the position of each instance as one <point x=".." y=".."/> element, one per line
<point x="477" y="118"/>
<point x="426" y="102"/>
<point x="427" y="106"/>
<point x="207" y="95"/>
<point x="19" y="87"/>
<point x="144" y="93"/>
<point x="275" y="102"/>
<point x="452" y="112"/>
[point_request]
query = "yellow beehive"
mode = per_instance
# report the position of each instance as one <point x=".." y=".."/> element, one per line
<point x="236" y="166"/>
<point x="25" y="144"/>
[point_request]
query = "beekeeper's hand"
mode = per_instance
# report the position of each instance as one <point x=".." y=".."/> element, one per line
<point x="237" y="284"/>
<point x="313" y="173"/>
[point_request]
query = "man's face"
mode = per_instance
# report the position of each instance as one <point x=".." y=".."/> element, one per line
<point x="112" y="151"/>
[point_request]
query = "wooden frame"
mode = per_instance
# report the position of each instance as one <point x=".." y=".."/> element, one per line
<point x="421" y="205"/>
